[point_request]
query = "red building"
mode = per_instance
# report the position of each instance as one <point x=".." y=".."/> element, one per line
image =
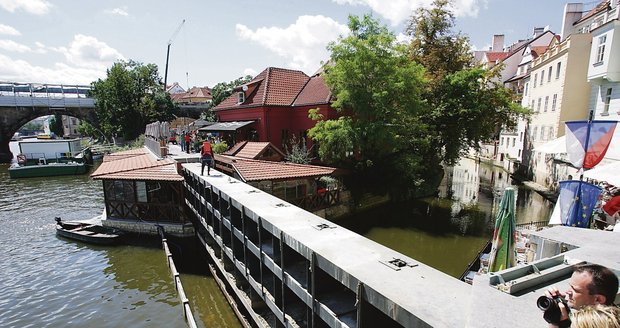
<point x="276" y="101"/>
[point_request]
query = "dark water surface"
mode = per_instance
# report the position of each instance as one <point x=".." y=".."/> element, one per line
<point x="448" y="231"/>
<point x="50" y="282"/>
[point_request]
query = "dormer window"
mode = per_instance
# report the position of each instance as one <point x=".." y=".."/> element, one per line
<point x="240" y="97"/>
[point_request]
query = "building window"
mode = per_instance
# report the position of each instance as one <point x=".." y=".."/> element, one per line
<point x="535" y="79"/>
<point x="525" y="91"/>
<point x="514" y="140"/>
<point x="519" y="153"/>
<point x="240" y="98"/>
<point x="520" y="136"/>
<point x="538" y="107"/>
<point x="554" y="102"/>
<point x="600" y="51"/>
<point x="501" y="143"/>
<point x="546" y="102"/>
<point x="549" y="74"/>
<point x="606" y="102"/>
<point x="533" y="103"/>
<point x="557" y="70"/>
<point x="542" y="133"/>
<point x="534" y="132"/>
<point x="551" y="133"/>
<point x="542" y="77"/>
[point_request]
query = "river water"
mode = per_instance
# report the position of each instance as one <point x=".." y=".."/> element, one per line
<point x="51" y="282"/>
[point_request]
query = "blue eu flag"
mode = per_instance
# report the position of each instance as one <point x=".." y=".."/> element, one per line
<point x="577" y="200"/>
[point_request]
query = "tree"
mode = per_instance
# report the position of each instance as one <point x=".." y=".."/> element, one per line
<point x="56" y="125"/>
<point x="297" y="152"/>
<point x="130" y="97"/>
<point x="223" y="90"/>
<point x="379" y="89"/>
<point x="468" y="104"/>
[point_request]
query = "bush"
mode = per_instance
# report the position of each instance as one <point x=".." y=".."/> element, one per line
<point x="219" y="147"/>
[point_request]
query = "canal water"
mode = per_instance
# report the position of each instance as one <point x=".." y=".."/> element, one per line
<point x="51" y="282"/>
<point x="46" y="281"/>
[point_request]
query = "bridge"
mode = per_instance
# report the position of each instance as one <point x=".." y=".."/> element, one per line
<point x="23" y="102"/>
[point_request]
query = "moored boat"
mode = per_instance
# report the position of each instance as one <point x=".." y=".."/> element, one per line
<point x="38" y="158"/>
<point x="87" y="232"/>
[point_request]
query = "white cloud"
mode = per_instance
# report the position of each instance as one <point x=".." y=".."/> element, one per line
<point x="249" y="71"/>
<point x="302" y="43"/>
<point x="36" y="7"/>
<point x="10" y="45"/>
<point x="22" y="71"/>
<point x="398" y="11"/>
<point x="8" y="30"/>
<point x="122" y="11"/>
<point x="85" y="60"/>
<point x="87" y="51"/>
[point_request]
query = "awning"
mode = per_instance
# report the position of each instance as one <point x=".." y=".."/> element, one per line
<point x="555" y="146"/>
<point x="605" y="172"/>
<point x="226" y="126"/>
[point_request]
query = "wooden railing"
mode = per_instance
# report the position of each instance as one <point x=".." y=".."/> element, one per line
<point x="319" y="201"/>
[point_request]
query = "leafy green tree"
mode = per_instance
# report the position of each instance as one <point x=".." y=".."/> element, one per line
<point x="56" y="125"/>
<point x="379" y="89"/>
<point x="468" y="104"/>
<point x="130" y="97"/>
<point x="223" y="90"/>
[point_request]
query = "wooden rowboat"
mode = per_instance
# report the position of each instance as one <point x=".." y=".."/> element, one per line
<point x="88" y="233"/>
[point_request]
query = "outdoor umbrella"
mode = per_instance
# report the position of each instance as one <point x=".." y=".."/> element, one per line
<point x="503" y="248"/>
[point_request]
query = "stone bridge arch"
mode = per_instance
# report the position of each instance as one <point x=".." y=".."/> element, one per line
<point x="14" y="117"/>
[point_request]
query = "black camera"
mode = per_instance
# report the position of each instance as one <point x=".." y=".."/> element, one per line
<point x="550" y="306"/>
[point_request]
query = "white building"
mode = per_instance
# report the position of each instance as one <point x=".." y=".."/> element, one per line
<point x="508" y="149"/>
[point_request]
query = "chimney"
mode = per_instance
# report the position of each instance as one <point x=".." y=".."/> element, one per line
<point x="538" y="31"/>
<point x="498" y="43"/>
<point x="572" y="13"/>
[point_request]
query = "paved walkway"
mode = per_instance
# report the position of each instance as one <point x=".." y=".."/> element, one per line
<point x="175" y="152"/>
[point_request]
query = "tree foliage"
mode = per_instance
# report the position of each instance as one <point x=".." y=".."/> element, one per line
<point x="56" y="125"/>
<point x="407" y="108"/>
<point x="223" y="90"/>
<point x="378" y="87"/>
<point x="297" y="152"/>
<point x="467" y="104"/>
<point x="130" y="97"/>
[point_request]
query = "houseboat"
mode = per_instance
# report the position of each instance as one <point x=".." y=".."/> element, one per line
<point x="41" y="158"/>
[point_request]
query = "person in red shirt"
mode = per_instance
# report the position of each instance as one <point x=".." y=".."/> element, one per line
<point x="206" y="158"/>
<point x="612" y="207"/>
<point x="188" y="140"/>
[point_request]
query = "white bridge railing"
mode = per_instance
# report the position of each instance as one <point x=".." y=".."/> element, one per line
<point x="44" y="95"/>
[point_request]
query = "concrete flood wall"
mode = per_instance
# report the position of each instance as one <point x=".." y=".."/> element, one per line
<point x="287" y="267"/>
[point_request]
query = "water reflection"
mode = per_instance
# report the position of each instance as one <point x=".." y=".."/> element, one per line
<point x="447" y="231"/>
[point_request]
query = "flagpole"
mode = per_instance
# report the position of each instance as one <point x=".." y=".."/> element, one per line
<point x="585" y="154"/>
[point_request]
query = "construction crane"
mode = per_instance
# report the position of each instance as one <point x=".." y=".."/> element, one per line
<point x="174" y="35"/>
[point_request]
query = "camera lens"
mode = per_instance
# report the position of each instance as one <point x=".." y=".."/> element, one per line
<point x="544" y="303"/>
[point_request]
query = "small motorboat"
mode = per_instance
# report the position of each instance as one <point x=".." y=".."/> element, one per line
<point x="87" y="232"/>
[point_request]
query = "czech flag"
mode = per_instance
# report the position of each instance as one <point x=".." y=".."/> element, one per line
<point x="587" y="141"/>
<point x="577" y="200"/>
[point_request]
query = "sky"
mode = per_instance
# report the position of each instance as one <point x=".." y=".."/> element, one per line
<point x="74" y="42"/>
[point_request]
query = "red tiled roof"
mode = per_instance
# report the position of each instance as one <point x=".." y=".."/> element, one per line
<point x="251" y="149"/>
<point x="136" y="164"/>
<point x="255" y="170"/>
<point x="495" y="56"/>
<point x="197" y="92"/>
<point x="602" y="6"/>
<point x="315" y="92"/>
<point x="272" y="87"/>
<point x="234" y="149"/>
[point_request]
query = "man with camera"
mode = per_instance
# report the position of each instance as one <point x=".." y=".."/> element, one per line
<point x="590" y="284"/>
